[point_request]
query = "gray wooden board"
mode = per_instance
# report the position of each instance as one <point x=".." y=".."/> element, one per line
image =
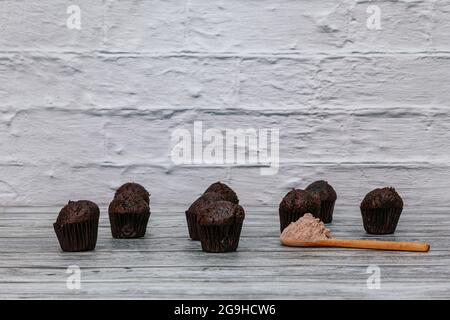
<point x="166" y="264"/>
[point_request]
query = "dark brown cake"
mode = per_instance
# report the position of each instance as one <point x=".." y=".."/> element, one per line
<point x="128" y="215"/>
<point x="220" y="225"/>
<point x="295" y="204"/>
<point x="381" y="209"/>
<point x="76" y="226"/>
<point x="327" y="197"/>
<point x="134" y="188"/>
<point x="196" y="206"/>
<point x="225" y="190"/>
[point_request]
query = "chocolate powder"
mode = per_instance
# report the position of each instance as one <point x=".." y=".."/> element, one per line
<point x="307" y="228"/>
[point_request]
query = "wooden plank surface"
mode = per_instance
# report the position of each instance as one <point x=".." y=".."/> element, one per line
<point x="166" y="264"/>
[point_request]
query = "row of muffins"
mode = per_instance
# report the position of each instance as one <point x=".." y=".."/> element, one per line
<point x="380" y="209"/>
<point x="216" y="219"/>
<point x="76" y="226"/>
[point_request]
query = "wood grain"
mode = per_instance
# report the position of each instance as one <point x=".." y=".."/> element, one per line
<point x="166" y="264"/>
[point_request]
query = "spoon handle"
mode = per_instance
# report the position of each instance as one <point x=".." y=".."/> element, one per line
<point x="361" y="244"/>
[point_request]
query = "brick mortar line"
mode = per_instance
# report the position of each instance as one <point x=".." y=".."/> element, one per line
<point x="219" y="55"/>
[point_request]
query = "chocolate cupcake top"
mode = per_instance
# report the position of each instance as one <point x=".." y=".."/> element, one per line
<point x="225" y="190"/>
<point x="134" y="188"/>
<point x="323" y="190"/>
<point x="300" y="200"/>
<point x="382" y="198"/>
<point x="220" y="213"/>
<point x="78" y="211"/>
<point x="204" y="200"/>
<point x="128" y="203"/>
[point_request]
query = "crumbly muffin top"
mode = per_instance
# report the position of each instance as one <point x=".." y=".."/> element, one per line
<point x="78" y="211"/>
<point x="220" y="213"/>
<point x="204" y="200"/>
<point x="128" y="203"/>
<point x="222" y="188"/>
<point x="382" y="198"/>
<point x="134" y="188"/>
<point x="323" y="189"/>
<point x="300" y="200"/>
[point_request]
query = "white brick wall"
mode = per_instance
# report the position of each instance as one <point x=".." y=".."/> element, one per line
<point x="82" y="111"/>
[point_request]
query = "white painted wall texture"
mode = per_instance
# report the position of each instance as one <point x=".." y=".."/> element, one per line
<point x="82" y="111"/>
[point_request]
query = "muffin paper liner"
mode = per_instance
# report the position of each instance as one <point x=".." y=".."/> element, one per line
<point x="191" y="219"/>
<point x="81" y="236"/>
<point x="128" y="225"/>
<point x="326" y="211"/>
<point x="220" y="239"/>
<point x="286" y="217"/>
<point x="381" y="221"/>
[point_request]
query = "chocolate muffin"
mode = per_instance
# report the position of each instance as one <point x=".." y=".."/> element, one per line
<point x="134" y="188"/>
<point x="295" y="204"/>
<point x="128" y="215"/>
<point x="76" y="226"/>
<point x="225" y="190"/>
<point x="220" y="225"/>
<point x="327" y="197"/>
<point x="380" y="210"/>
<point x="196" y="206"/>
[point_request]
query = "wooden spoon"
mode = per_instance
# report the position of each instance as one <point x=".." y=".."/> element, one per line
<point x="360" y="244"/>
